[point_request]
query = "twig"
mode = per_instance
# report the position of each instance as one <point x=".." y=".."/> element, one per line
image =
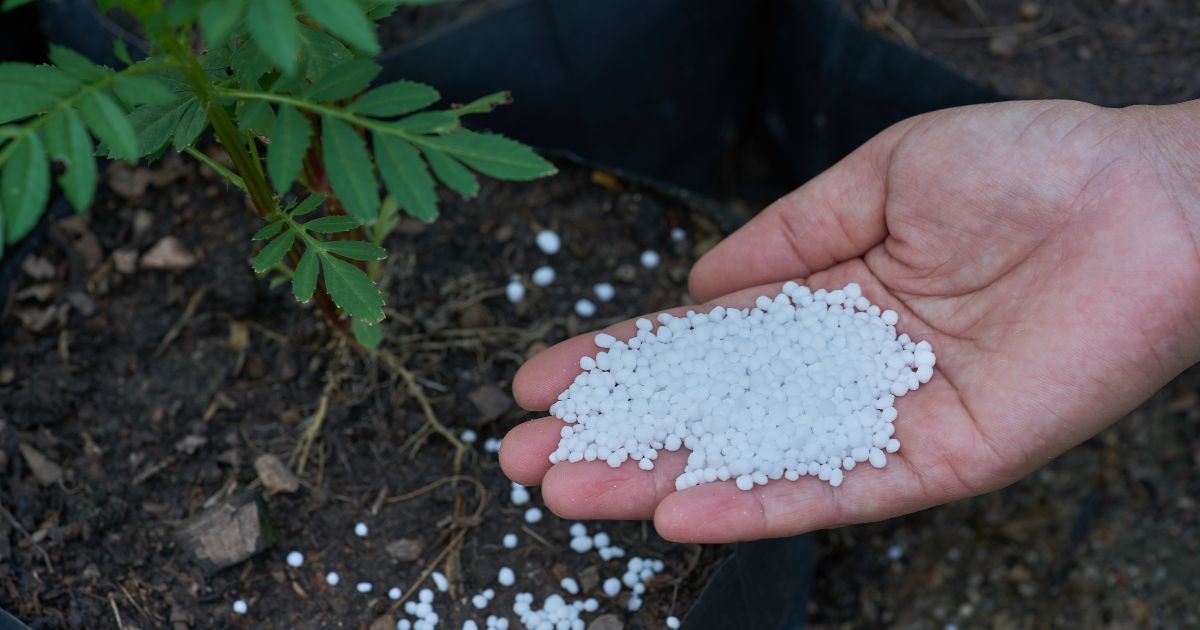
<point x="116" y="613"/>
<point x="1055" y="38"/>
<point x="188" y="312"/>
<point x="12" y="520"/>
<point x="414" y="389"/>
<point x="536" y="536"/>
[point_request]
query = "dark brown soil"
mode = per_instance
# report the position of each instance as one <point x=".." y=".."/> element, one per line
<point x="1109" y="52"/>
<point x="153" y="413"/>
<point x="410" y="23"/>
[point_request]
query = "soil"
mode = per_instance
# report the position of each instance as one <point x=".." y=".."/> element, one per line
<point x="1114" y="52"/>
<point x="412" y="22"/>
<point x="154" y="391"/>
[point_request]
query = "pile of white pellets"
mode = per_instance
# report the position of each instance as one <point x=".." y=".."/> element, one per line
<point x="803" y="383"/>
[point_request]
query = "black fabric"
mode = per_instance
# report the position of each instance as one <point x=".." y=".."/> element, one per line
<point x="9" y="622"/>
<point x="763" y="585"/>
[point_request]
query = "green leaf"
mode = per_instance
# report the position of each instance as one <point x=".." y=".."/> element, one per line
<point x="121" y="51"/>
<point x="368" y="336"/>
<point x="493" y="155"/>
<point x="304" y="279"/>
<point x="12" y="4"/>
<point x="249" y="64"/>
<point x="77" y="65"/>
<point x="143" y="90"/>
<point x="30" y="89"/>
<point x="24" y="187"/>
<point x="2" y="222"/>
<point x="217" y="18"/>
<point x="406" y="176"/>
<point x="275" y="30"/>
<point x="395" y="99"/>
<point x="320" y="51"/>
<point x="389" y="218"/>
<point x="68" y="141"/>
<point x="428" y="122"/>
<point x="309" y="204"/>
<point x="349" y="167"/>
<point x="192" y="121"/>
<point x="274" y="252"/>
<point x="332" y="224"/>
<point x="268" y="230"/>
<point x="355" y="250"/>
<point x="483" y="104"/>
<point x="452" y="173"/>
<point x="257" y="116"/>
<point x="155" y="124"/>
<point x="345" y="19"/>
<point x="352" y="289"/>
<point x="108" y="122"/>
<point x="344" y="80"/>
<point x="285" y="154"/>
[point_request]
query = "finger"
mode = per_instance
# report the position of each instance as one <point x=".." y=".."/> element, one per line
<point x="540" y="380"/>
<point x="525" y="450"/>
<point x="594" y="490"/>
<point x="721" y="513"/>
<point x="836" y="216"/>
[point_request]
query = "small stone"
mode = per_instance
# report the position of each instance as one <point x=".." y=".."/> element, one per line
<point x="190" y="444"/>
<point x="625" y="273"/>
<point x="404" y="550"/>
<point x="44" y="469"/>
<point x="491" y="401"/>
<point x="38" y="268"/>
<point x="274" y="475"/>
<point x="227" y="533"/>
<point x="386" y="622"/>
<point x="169" y="254"/>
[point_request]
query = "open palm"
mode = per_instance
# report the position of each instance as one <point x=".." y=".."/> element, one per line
<point x="1042" y="248"/>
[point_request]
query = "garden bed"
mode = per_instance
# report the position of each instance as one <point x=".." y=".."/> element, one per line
<point x="155" y="391"/>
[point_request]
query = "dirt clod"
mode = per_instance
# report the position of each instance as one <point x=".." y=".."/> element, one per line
<point x="274" y="475"/>
<point x="606" y="622"/>
<point x="404" y="550"/>
<point x="228" y="533"/>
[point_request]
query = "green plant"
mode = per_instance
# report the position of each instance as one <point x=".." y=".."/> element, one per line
<point x="285" y="88"/>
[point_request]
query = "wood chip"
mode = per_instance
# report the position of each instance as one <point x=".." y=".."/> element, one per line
<point x="275" y="476"/>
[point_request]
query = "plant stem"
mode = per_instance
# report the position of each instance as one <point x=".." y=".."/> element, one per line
<point x="216" y="166"/>
<point x="254" y="182"/>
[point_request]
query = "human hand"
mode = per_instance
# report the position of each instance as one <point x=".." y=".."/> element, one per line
<point x="1050" y="252"/>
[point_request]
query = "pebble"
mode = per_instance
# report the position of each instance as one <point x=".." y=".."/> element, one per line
<point x="543" y="276"/>
<point x="510" y="541"/>
<point x="604" y="291"/>
<point x="585" y="308"/>
<point x="240" y="607"/>
<point x="361" y="530"/>
<point x="533" y="515"/>
<point x="332" y="578"/>
<point x="650" y="259"/>
<point x="295" y="559"/>
<point x="548" y="241"/>
<point x="719" y="385"/>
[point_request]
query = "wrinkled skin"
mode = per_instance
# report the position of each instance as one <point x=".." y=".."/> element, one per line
<point x="1049" y="252"/>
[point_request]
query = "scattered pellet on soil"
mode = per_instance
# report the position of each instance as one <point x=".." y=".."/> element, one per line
<point x="295" y="559"/>
<point x="361" y="530"/>
<point x="543" y="276"/>
<point x="468" y="436"/>
<point x="650" y="259"/>
<point x="364" y="587"/>
<point x="506" y="577"/>
<point x="510" y="541"/>
<point x="533" y="515"/>
<point x="440" y="581"/>
<point x="395" y="593"/>
<point x="240" y="607"/>
<point x="678" y="234"/>
<point x="585" y="307"/>
<point x="519" y="494"/>
<point x="548" y="241"/>
<point x="515" y="290"/>
<point x="673" y="622"/>
<point x="604" y="291"/>
<point x="332" y="578"/>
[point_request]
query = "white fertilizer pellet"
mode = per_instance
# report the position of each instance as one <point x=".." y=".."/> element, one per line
<point x="506" y="577"/>
<point x="240" y="607"/>
<point x="612" y="586"/>
<point x="295" y="559"/>
<point x="519" y="494"/>
<point x="364" y="587"/>
<point x="533" y="515"/>
<point x="403" y="624"/>
<point x="395" y="593"/>
<point x="510" y="541"/>
<point x="543" y="276"/>
<point x="361" y="530"/>
<point x="479" y="601"/>
<point x="514" y="290"/>
<point x="491" y="445"/>
<point x="678" y="235"/>
<point x="585" y="308"/>
<point x="604" y="291"/>
<point x="470" y="625"/>
<point x="468" y="436"/>
<point x="650" y="259"/>
<point x="802" y="384"/>
<point x="332" y="578"/>
<point x="555" y="612"/>
<point x="673" y="622"/>
<point x="570" y="585"/>
<point x="548" y="241"/>
<point x="440" y="581"/>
